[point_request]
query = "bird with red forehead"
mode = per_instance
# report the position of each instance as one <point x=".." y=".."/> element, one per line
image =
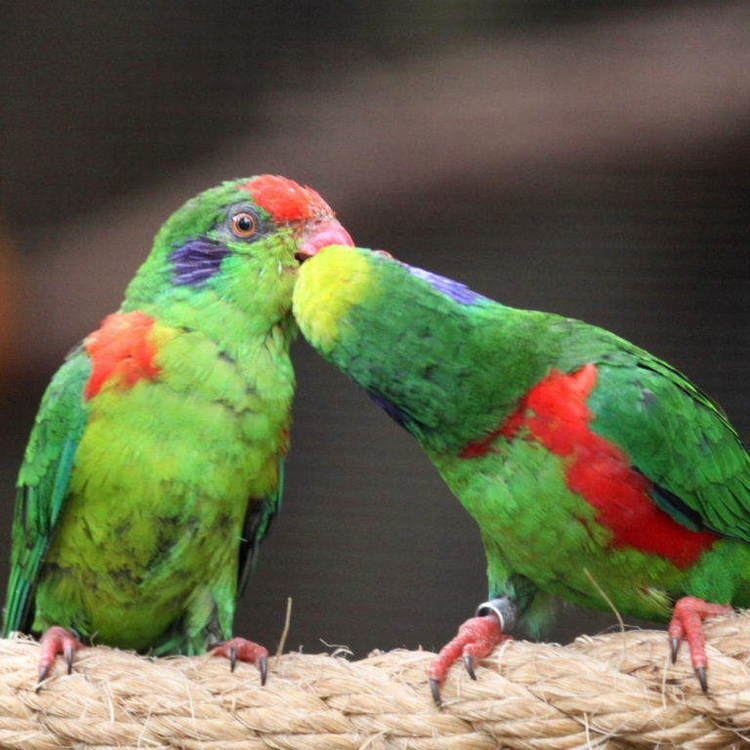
<point x="155" y="465"/>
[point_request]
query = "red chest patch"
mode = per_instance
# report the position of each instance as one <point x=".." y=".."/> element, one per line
<point x="555" y="413"/>
<point x="286" y="200"/>
<point x="122" y="348"/>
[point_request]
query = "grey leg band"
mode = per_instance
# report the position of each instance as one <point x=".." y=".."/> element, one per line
<point x="503" y="608"/>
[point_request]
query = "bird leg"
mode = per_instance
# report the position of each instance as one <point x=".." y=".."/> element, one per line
<point x="476" y="639"/>
<point x="240" y="649"/>
<point x="687" y="622"/>
<point x="56" y="640"/>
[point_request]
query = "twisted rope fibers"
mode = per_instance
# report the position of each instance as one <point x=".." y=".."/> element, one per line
<point x="610" y="691"/>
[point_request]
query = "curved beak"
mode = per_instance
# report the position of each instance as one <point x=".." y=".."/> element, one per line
<point x="319" y="234"/>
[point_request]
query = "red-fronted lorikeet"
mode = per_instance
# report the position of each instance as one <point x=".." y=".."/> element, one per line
<point x="156" y="462"/>
<point x="595" y="471"/>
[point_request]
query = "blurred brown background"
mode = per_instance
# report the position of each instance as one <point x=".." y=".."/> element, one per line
<point x="588" y="158"/>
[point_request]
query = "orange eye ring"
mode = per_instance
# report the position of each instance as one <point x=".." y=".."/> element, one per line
<point x="244" y="225"/>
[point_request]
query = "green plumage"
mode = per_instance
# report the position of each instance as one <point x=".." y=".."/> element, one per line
<point x="156" y="461"/>
<point x="454" y="368"/>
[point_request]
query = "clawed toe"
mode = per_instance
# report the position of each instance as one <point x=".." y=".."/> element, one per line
<point x="687" y="624"/>
<point x="476" y="639"/>
<point x="240" y="649"/>
<point x="56" y="640"/>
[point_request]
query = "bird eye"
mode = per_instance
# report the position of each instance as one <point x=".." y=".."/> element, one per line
<point x="244" y="225"/>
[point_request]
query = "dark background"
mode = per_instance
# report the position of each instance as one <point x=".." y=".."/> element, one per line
<point x="588" y="158"/>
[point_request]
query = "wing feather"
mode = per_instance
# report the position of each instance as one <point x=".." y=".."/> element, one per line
<point x="260" y="514"/>
<point x="43" y="483"/>
<point x="678" y="437"/>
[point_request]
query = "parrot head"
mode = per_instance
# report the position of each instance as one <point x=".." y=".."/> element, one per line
<point x="242" y="241"/>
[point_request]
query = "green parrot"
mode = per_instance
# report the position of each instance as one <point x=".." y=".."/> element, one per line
<point x="595" y="471"/>
<point x="155" y="464"/>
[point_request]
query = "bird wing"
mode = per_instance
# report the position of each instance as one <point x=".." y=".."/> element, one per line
<point x="679" y="438"/>
<point x="260" y="514"/>
<point x="43" y="482"/>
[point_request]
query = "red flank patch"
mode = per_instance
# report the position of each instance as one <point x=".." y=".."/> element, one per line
<point x="555" y="413"/>
<point x="123" y="349"/>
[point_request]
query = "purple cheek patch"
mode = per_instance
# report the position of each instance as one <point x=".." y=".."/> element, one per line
<point x="197" y="261"/>
<point x="453" y="289"/>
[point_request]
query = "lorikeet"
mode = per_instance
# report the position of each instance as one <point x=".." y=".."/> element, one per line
<point x="155" y="464"/>
<point x="594" y="470"/>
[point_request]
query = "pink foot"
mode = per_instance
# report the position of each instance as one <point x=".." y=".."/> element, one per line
<point x="476" y="639"/>
<point x="56" y="641"/>
<point x="240" y="649"/>
<point x="687" y="623"/>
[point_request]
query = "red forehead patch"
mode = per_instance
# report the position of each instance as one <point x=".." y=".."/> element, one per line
<point x="285" y="199"/>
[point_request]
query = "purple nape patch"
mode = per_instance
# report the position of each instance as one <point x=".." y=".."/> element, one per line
<point x="390" y="409"/>
<point x="197" y="261"/>
<point x="453" y="289"/>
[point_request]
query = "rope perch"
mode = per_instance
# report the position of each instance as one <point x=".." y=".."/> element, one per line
<point x="610" y="691"/>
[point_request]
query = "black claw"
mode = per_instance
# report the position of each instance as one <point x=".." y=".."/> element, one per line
<point x="232" y="658"/>
<point x="44" y="670"/>
<point x="69" y="653"/>
<point x="469" y="664"/>
<point x="435" y="689"/>
<point x="674" y="644"/>
<point x="263" y="667"/>
<point x="701" y="674"/>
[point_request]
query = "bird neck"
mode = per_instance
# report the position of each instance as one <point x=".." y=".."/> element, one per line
<point x="251" y="336"/>
<point x="447" y="373"/>
<point x="445" y="362"/>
